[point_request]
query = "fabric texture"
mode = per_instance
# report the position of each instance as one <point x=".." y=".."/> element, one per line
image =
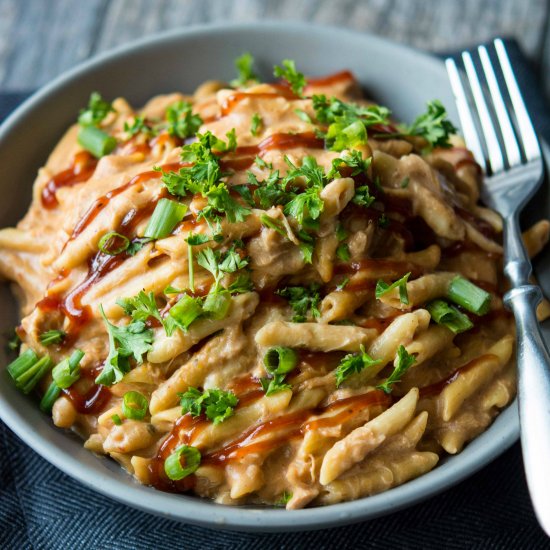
<point x="40" y="507"/>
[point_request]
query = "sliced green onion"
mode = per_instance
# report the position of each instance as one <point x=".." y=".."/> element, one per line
<point x="96" y="141"/>
<point x="173" y="466"/>
<point x="27" y="370"/>
<point x="449" y="316"/>
<point x="134" y="405"/>
<point x="49" y="398"/>
<point x="217" y="304"/>
<point x="22" y="363"/>
<point x="51" y="337"/>
<point x="67" y="372"/>
<point x="116" y="420"/>
<point x="166" y="216"/>
<point x="185" y="311"/>
<point x="469" y="296"/>
<point x="108" y="243"/>
<point x="280" y="360"/>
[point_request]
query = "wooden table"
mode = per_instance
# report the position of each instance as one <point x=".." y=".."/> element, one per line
<point x="39" y="39"/>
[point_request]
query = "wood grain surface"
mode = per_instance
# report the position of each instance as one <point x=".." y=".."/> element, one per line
<point x="41" y="38"/>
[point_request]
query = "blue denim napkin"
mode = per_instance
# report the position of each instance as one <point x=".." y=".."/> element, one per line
<point x="40" y="507"/>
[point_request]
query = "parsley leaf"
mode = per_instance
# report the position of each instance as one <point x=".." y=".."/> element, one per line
<point x="302" y="115"/>
<point x="142" y="307"/>
<point x="217" y="405"/>
<point x="182" y="122"/>
<point x="347" y="122"/>
<point x="362" y="196"/>
<point x="136" y="245"/>
<point x="261" y="163"/>
<point x="351" y="159"/>
<point x="303" y="300"/>
<point x="221" y="202"/>
<point x="96" y="111"/>
<point x="204" y="177"/>
<point x="221" y="263"/>
<point x="244" y="65"/>
<point x="133" y="340"/>
<point x="270" y="191"/>
<point x="284" y="498"/>
<point x="401" y="365"/>
<point x="354" y="363"/>
<point x="275" y="384"/>
<point x="296" y="80"/>
<point x="255" y="124"/>
<point x="383" y="288"/>
<point x="138" y="126"/>
<point x="307" y="204"/>
<point x="433" y="125"/>
<point x="244" y="192"/>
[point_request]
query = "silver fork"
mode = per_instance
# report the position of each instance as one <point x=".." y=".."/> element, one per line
<point x="514" y="173"/>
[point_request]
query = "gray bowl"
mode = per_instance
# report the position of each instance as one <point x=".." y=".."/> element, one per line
<point x="396" y="76"/>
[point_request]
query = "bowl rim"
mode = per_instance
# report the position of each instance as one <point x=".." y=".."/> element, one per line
<point x="199" y="511"/>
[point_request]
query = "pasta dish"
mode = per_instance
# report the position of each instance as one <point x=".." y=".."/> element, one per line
<point x="264" y="293"/>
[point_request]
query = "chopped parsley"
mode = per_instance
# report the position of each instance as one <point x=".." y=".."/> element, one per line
<point x="96" y="111"/>
<point x="362" y="196"/>
<point x="383" y="288"/>
<point x="139" y="125"/>
<point x="271" y="191"/>
<point x="244" y="65"/>
<point x="433" y="125"/>
<point x="255" y="124"/>
<point x="401" y="365"/>
<point x="125" y="342"/>
<point x="181" y="121"/>
<point x="354" y="363"/>
<point x="142" y="307"/>
<point x="204" y="176"/>
<point x="306" y="205"/>
<point x="295" y="79"/>
<point x="303" y="300"/>
<point x="217" y="405"/>
<point x="347" y="122"/>
<point x="351" y="159"/>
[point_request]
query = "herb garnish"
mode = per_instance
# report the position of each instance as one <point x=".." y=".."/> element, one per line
<point x="383" y="288"/>
<point x="303" y="300"/>
<point x="181" y="121"/>
<point x="244" y="65"/>
<point x="402" y="363"/>
<point x="354" y="363"/>
<point x="255" y="124"/>
<point x="295" y="79"/>
<point x="217" y="405"/>
<point x="133" y="340"/>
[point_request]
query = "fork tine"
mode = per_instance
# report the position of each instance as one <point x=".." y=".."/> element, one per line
<point x="493" y="147"/>
<point x="526" y="130"/>
<point x="466" y="120"/>
<point x="509" y="138"/>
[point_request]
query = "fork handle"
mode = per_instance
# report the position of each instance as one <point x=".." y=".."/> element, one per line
<point x="533" y="363"/>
